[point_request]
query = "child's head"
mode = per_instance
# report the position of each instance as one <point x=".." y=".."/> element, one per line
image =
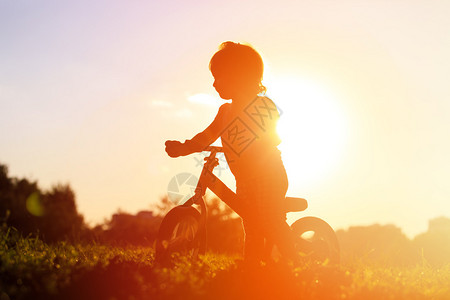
<point x="238" y="67"/>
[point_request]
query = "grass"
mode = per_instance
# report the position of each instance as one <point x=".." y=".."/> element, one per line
<point x="29" y="268"/>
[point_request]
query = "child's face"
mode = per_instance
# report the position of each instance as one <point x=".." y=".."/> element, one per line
<point x="225" y="86"/>
<point x="229" y="85"/>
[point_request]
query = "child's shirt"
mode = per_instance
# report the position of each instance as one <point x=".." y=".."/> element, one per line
<point x="248" y="136"/>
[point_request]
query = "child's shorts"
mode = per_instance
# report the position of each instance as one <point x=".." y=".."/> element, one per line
<point x="264" y="196"/>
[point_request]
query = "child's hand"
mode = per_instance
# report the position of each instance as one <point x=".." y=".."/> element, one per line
<point x="175" y="148"/>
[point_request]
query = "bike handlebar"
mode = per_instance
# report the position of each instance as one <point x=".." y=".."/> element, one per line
<point x="214" y="149"/>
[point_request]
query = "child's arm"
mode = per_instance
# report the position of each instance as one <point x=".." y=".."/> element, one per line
<point x="201" y="140"/>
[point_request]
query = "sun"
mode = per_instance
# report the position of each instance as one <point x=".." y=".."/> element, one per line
<point x="312" y="128"/>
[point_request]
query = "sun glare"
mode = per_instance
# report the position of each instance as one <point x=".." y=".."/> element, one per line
<point x="312" y="129"/>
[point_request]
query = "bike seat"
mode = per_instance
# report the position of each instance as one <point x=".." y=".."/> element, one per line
<point x="294" y="204"/>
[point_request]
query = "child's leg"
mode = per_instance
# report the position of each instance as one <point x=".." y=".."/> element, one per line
<point x="279" y="232"/>
<point x="254" y="243"/>
<point x="269" y="194"/>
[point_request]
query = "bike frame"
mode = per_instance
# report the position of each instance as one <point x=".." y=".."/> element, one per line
<point x="209" y="180"/>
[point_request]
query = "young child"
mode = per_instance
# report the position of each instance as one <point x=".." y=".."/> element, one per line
<point x="247" y="128"/>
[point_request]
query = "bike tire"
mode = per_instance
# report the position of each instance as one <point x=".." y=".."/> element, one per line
<point x="322" y="246"/>
<point x="180" y="232"/>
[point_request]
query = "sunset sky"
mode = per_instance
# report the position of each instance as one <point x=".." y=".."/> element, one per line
<point x="90" y="90"/>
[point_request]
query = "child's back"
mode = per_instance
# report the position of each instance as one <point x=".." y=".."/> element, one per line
<point x="249" y="138"/>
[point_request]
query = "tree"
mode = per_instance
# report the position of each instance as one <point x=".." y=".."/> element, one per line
<point x="15" y="194"/>
<point x="435" y="243"/>
<point x="52" y="215"/>
<point x="60" y="219"/>
<point x="163" y="207"/>
<point x="123" y="228"/>
<point x="385" y="244"/>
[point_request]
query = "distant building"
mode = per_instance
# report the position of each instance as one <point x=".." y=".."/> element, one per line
<point x="439" y="225"/>
<point x="145" y="215"/>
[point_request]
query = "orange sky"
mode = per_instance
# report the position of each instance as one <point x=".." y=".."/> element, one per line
<point x="90" y="92"/>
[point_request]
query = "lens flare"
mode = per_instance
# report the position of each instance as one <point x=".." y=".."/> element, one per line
<point x="34" y="205"/>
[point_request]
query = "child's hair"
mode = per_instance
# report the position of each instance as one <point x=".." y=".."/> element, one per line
<point x="240" y="61"/>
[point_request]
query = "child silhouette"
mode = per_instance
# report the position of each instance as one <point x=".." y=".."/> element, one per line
<point x="247" y="128"/>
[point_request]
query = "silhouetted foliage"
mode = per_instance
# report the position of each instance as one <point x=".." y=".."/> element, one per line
<point x="60" y="214"/>
<point x="123" y="229"/>
<point x="225" y="233"/>
<point x="14" y="194"/>
<point x="385" y="244"/>
<point x="52" y="215"/>
<point x="435" y="243"/>
<point x="163" y="206"/>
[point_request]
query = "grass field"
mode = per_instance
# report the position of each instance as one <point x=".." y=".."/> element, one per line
<point x="31" y="269"/>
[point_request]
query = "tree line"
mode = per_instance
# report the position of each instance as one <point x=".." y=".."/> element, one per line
<point x="52" y="216"/>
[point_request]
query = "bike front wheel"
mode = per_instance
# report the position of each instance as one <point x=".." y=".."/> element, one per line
<point x="316" y="240"/>
<point x="180" y="232"/>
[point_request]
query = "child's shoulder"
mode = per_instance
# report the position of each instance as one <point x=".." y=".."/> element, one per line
<point x="224" y="108"/>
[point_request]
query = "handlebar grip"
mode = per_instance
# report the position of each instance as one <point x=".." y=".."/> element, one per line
<point x="213" y="148"/>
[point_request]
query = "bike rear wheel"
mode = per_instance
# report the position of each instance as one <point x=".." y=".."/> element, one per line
<point x="180" y="232"/>
<point x="316" y="240"/>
